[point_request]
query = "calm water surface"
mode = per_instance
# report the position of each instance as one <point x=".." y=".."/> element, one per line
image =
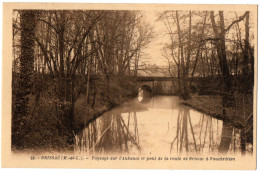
<point x="160" y="126"/>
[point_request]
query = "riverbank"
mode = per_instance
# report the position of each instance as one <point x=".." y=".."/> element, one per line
<point x="236" y="115"/>
<point x="47" y="126"/>
<point x="84" y="114"/>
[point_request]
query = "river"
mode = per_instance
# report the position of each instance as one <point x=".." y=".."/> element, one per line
<point x="160" y="126"/>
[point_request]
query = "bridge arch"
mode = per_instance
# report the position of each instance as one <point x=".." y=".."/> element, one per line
<point x="144" y="93"/>
<point x="147" y="88"/>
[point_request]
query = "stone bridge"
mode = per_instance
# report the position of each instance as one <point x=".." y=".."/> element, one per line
<point x="161" y="85"/>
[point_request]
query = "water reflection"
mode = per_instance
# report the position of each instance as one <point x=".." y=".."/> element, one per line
<point x="111" y="133"/>
<point x="226" y="137"/>
<point x="160" y="126"/>
<point x="144" y="94"/>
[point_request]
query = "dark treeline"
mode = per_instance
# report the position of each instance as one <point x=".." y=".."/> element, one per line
<point x="63" y="57"/>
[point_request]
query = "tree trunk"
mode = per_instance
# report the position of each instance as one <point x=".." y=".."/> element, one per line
<point x="19" y="120"/>
<point x="246" y="55"/>
<point x="183" y="81"/>
<point x="198" y="50"/>
<point x="221" y="50"/>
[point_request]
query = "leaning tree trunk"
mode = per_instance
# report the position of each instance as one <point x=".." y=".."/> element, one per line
<point x="21" y="109"/>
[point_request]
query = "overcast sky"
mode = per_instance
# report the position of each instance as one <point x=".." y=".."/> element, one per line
<point x="153" y="50"/>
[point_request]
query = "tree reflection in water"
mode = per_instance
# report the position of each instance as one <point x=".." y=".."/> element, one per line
<point x="226" y="137"/>
<point x="206" y="134"/>
<point x="109" y="134"/>
<point x="162" y="124"/>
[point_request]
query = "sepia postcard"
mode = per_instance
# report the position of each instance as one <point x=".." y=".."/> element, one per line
<point x="129" y="86"/>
